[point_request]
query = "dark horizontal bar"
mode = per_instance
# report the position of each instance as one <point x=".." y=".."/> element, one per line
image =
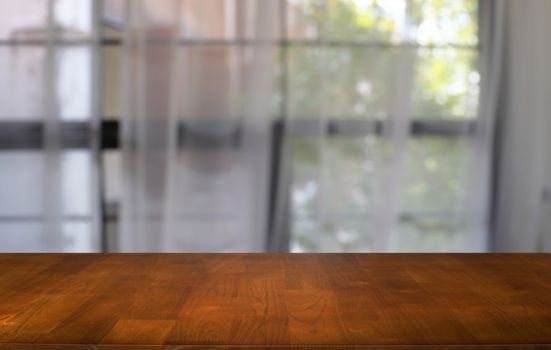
<point x="30" y="135"/>
<point x="361" y="127"/>
<point x="214" y="133"/>
<point x="209" y="134"/>
<point x="333" y="127"/>
<point x="443" y="127"/>
<point x="45" y="42"/>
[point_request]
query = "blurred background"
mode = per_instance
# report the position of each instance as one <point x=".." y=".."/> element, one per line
<point x="275" y="125"/>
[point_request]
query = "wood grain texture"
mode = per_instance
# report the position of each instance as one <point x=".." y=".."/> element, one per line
<point x="279" y="301"/>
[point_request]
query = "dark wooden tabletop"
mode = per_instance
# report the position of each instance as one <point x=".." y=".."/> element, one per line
<point x="363" y="301"/>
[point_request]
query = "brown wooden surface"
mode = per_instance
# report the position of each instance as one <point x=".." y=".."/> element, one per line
<point x="369" y="301"/>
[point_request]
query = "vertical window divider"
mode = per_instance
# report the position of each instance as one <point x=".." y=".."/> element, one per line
<point x="280" y="184"/>
<point x="99" y="215"/>
<point x="52" y="194"/>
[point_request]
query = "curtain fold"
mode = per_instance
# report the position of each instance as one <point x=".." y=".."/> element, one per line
<point x="479" y="200"/>
<point x="196" y="126"/>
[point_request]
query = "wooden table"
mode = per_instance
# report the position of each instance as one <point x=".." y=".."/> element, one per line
<point x="306" y="301"/>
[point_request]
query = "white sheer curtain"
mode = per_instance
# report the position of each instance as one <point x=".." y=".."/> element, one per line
<point x="48" y="192"/>
<point x="369" y="183"/>
<point x="196" y="122"/>
<point x="360" y="156"/>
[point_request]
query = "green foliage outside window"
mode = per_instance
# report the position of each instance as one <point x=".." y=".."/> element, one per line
<point x="359" y="81"/>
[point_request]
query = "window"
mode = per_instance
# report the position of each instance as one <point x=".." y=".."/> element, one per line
<point x="47" y="172"/>
<point x="355" y="45"/>
<point x="342" y="58"/>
